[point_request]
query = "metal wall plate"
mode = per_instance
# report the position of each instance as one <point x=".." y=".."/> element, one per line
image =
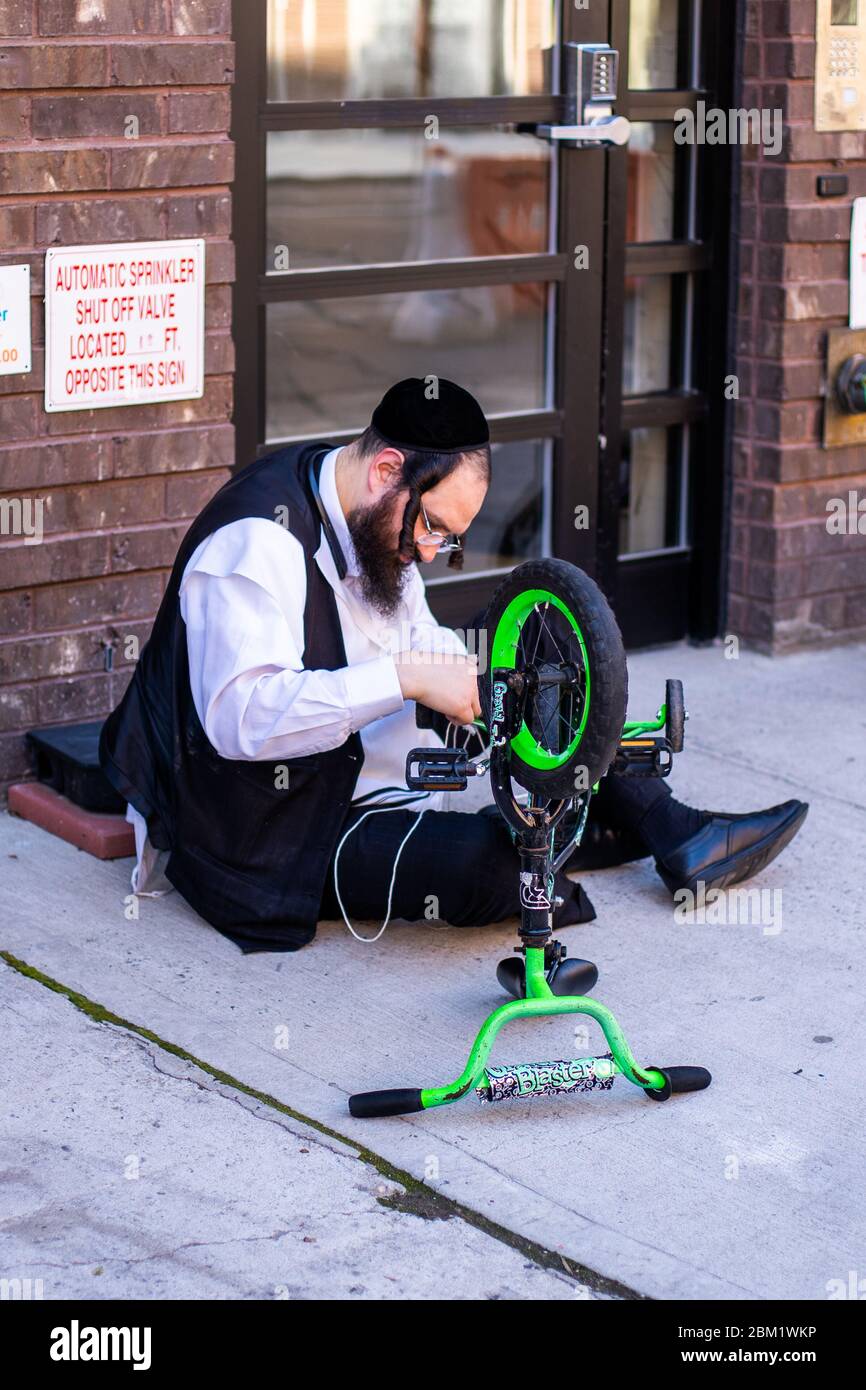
<point x="841" y="429"/>
<point x="840" y="65"/>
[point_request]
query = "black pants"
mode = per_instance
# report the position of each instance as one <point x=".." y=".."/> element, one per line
<point x="463" y="868"/>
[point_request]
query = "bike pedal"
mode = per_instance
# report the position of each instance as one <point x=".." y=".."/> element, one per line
<point x="644" y="757"/>
<point x="437" y="770"/>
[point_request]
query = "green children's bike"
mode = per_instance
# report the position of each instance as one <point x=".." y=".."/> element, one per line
<point x="553" y="696"/>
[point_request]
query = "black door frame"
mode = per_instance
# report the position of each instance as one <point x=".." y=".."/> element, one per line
<point x="656" y="599"/>
<point x="661" y="598"/>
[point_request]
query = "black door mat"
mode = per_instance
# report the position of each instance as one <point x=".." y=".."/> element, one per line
<point x="66" y="757"/>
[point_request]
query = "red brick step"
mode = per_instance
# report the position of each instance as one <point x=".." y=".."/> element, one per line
<point x="105" y="836"/>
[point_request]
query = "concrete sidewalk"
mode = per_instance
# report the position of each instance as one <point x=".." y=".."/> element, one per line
<point x="748" y="1190"/>
<point x="129" y="1172"/>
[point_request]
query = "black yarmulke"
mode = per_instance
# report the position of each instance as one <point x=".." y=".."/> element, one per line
<point x="431" y="414"/>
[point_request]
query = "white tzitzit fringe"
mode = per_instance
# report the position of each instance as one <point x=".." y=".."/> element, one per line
<point x="378" y="811"/>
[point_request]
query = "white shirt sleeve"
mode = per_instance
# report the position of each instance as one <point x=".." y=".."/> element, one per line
<point x="242" y="599"/>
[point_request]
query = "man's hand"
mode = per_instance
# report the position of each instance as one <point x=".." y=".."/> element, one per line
<point x="447" y="683"/>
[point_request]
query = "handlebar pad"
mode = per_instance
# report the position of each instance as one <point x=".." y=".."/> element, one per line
<point x="679" y="1080"/>
<point x="424" y="717"/>
<point x="371" y="1103"/>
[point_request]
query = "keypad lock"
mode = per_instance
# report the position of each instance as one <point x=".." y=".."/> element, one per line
<point x="591" y="76"/>
<point x="589" y="82"/>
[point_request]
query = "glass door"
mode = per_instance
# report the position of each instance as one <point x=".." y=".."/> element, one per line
<point x="403" y="226"/>
<point x="395" y="215"/>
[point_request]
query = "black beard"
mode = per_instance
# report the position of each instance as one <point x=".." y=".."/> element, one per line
<point x="383" y="574"/>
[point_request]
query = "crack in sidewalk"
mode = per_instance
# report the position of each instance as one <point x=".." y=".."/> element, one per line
<point x="159" y="1254"/>
<point x="425" y="1199"/>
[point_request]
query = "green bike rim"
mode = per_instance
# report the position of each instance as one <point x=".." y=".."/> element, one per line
<point x="506" y="640"/>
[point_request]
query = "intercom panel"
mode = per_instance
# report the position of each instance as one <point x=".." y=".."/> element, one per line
<point x="840" y="65"/>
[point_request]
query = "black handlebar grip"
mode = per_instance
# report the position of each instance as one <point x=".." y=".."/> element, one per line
<point x="424" y="717"/>
<point x="679" y="1080"/>
<point x="371" y="1103"/>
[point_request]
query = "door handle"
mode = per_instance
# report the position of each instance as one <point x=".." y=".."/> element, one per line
<point x="590" y="74"/>
<point x="604" y="130"/>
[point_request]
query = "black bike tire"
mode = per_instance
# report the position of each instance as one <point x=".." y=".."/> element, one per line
<point x="607" y="666"/>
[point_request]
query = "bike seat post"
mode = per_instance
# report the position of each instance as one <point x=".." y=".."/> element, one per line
<point x="536" y="890"/>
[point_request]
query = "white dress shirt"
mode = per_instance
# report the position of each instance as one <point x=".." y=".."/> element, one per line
<point x="242" y="599"/>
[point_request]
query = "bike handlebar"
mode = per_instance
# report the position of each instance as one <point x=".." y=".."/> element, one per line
<point x="424" y="716"/>
<point x="372" y="1103"/>
<point x="679" y="1080"/>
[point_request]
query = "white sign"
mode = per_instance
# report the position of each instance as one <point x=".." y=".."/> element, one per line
<point x="857" y="318"/>
<point x="124" y="324"/>
<point x="14" y="319"/>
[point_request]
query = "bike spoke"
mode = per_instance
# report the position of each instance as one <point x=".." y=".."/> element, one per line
<point x="538" y="638"/>
<point x="554" y="723"/>
<point x="553" y="639"/>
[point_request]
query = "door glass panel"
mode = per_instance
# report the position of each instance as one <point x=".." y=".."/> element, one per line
<point x="510" y="526"/>
<point x="356" y="197"/>
<point x="330" y="360"/>
<point x="653" y="44"/>
<point x="651" y="175"/>
<point x="647" y="336"/>
<point x="352" y="50"/>
<point x="650" y="501"/>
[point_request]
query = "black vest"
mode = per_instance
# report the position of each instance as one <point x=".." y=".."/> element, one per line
<point x="248" y="853"/>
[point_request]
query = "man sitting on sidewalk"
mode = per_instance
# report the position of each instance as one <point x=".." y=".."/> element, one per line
<point x="274" y="705"/>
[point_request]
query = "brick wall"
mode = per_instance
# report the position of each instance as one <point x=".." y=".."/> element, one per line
<point x="791" y="583"/>
<point x="120" y="486"/>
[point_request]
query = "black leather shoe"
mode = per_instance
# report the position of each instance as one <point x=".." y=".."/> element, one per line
<point x="729" y="849"/>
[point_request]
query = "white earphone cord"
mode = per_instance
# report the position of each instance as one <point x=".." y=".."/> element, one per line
<point x="377" y="811"/>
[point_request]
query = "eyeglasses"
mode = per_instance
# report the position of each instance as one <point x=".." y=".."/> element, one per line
<point x="436" y="539"/>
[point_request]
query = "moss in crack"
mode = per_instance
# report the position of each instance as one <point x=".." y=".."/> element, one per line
<point x="422" y="1204"/>
<point x="417" y="1200"/>
<point x="100" y="1014"/>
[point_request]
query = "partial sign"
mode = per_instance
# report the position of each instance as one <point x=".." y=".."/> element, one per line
<point x="124" y="324"/>
<point x="14" y="319"/>
<point x="857" y="314"/>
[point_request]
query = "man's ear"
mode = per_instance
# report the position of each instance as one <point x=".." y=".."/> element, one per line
<point x="385" y="470"/>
